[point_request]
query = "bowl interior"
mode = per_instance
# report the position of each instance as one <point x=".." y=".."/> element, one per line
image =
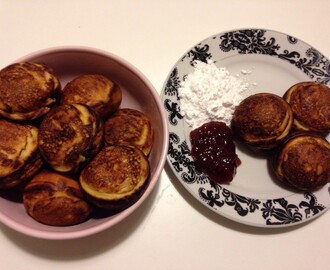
<point x="138" y="93"/>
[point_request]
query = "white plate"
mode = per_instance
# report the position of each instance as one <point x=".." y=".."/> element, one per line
<point x="271" y="62"/>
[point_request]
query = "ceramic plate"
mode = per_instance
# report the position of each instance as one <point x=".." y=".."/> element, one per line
<point x="268" y="61"/>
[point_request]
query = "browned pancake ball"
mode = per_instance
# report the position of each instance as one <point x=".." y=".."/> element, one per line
<point x="262" y="121"/>
<point x="69" y="136"/>
<point x="129" y="127"/>
<point x="55" y="199"/>
<point x="19" y="155"/>
<point x="310" y="103"/>
<point x="27" y="91"/>
<point x="94" y="90"/>
<point x="303" y="162"/>
<point x="116" y="178"/>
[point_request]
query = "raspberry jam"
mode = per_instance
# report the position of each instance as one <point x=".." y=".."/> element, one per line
<point x="213" y="151"/>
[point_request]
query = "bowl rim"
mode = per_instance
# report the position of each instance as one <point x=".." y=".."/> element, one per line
<point x="55" y="235"/>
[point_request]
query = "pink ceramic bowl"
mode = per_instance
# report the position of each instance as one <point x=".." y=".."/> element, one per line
<point x="138" y="93"/>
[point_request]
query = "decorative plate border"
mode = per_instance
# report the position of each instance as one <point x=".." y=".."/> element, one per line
<point x="279" y="212"/>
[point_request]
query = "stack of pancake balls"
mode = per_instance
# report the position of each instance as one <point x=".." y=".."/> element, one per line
<point x="292" y="130"/>
<point x="68" y="152"/>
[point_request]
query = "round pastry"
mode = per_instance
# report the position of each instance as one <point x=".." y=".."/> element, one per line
<point x="310" y="104"/>
<point x="55" y="199"/>
<point x="69" y="136"/>
<point x="27" y="91"/>
<point x="262" y="121"/>
<point x="129" y="127"/>
<point x="303" y="162"/>
<point x="19" y="155"/>
<point x="94" y="90"/>
<point x="116" y="177"/>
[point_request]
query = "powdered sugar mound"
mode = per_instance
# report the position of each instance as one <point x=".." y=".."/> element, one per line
<point x="210" y="93"/>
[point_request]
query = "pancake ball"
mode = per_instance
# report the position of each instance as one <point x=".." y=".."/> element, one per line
<point x="129" y="127"/>
<point x="310" y="104"/>
<point x="262" y="121"/>
<point x="94" y="90"/>
<point x="303" y="162"/>
<point x="116" y="178"/>
<point x="55" y="199"/>
<point x="69" y="136"/>
<point x="19" y="155"/>
<point x="27" y="91"/>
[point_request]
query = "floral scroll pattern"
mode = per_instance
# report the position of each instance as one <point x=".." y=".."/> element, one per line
<point x="255" y="41"/>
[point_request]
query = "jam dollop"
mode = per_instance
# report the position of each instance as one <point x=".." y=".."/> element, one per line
<point x="214" y="151"/>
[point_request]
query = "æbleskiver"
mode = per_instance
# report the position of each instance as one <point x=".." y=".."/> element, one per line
<point x="210" y="93"/>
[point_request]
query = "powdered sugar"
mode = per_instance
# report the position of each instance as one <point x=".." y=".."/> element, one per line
<point x="210" y="93"/>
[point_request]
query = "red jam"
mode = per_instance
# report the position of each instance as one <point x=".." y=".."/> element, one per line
<point x="213" y="151"/>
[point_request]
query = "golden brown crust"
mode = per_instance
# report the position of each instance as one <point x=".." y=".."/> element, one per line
<point x="19" y="155"/>
<point x="23" y="174"/>
<point x="303" y="162"/>
<point x="129" y="127"/>
<point x="94" y="90"/>
<point x="69" y="136"/>
<point x="116" y="177"/>
<point x="262" y="121"/>
<point x="27" y="91"/>
<point x="54" y="199"/>
<point x="310" y="103"/>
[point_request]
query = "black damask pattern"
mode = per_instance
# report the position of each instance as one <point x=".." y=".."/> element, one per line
<point x="199" y="53"/>
<point x="248" y="41"/>
<point x="315" y="65"/>
<point x="311" y="207"/>
<point x="279" y="211"/>
<point x="174" y="111"/>
<point x="254" y="41"/>
<point x="211" y="197"/>
<point x="292" y="40"/>
<point x="219" y="196"/>
<point x="171" y="90"/>
<point x="241" y="204"/>
<point x="180" y="158"/>
<point x="172" y="84"/>
<point x="182" y="161"/>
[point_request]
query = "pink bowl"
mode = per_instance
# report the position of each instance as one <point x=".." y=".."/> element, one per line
<point x="138" y="93"/>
